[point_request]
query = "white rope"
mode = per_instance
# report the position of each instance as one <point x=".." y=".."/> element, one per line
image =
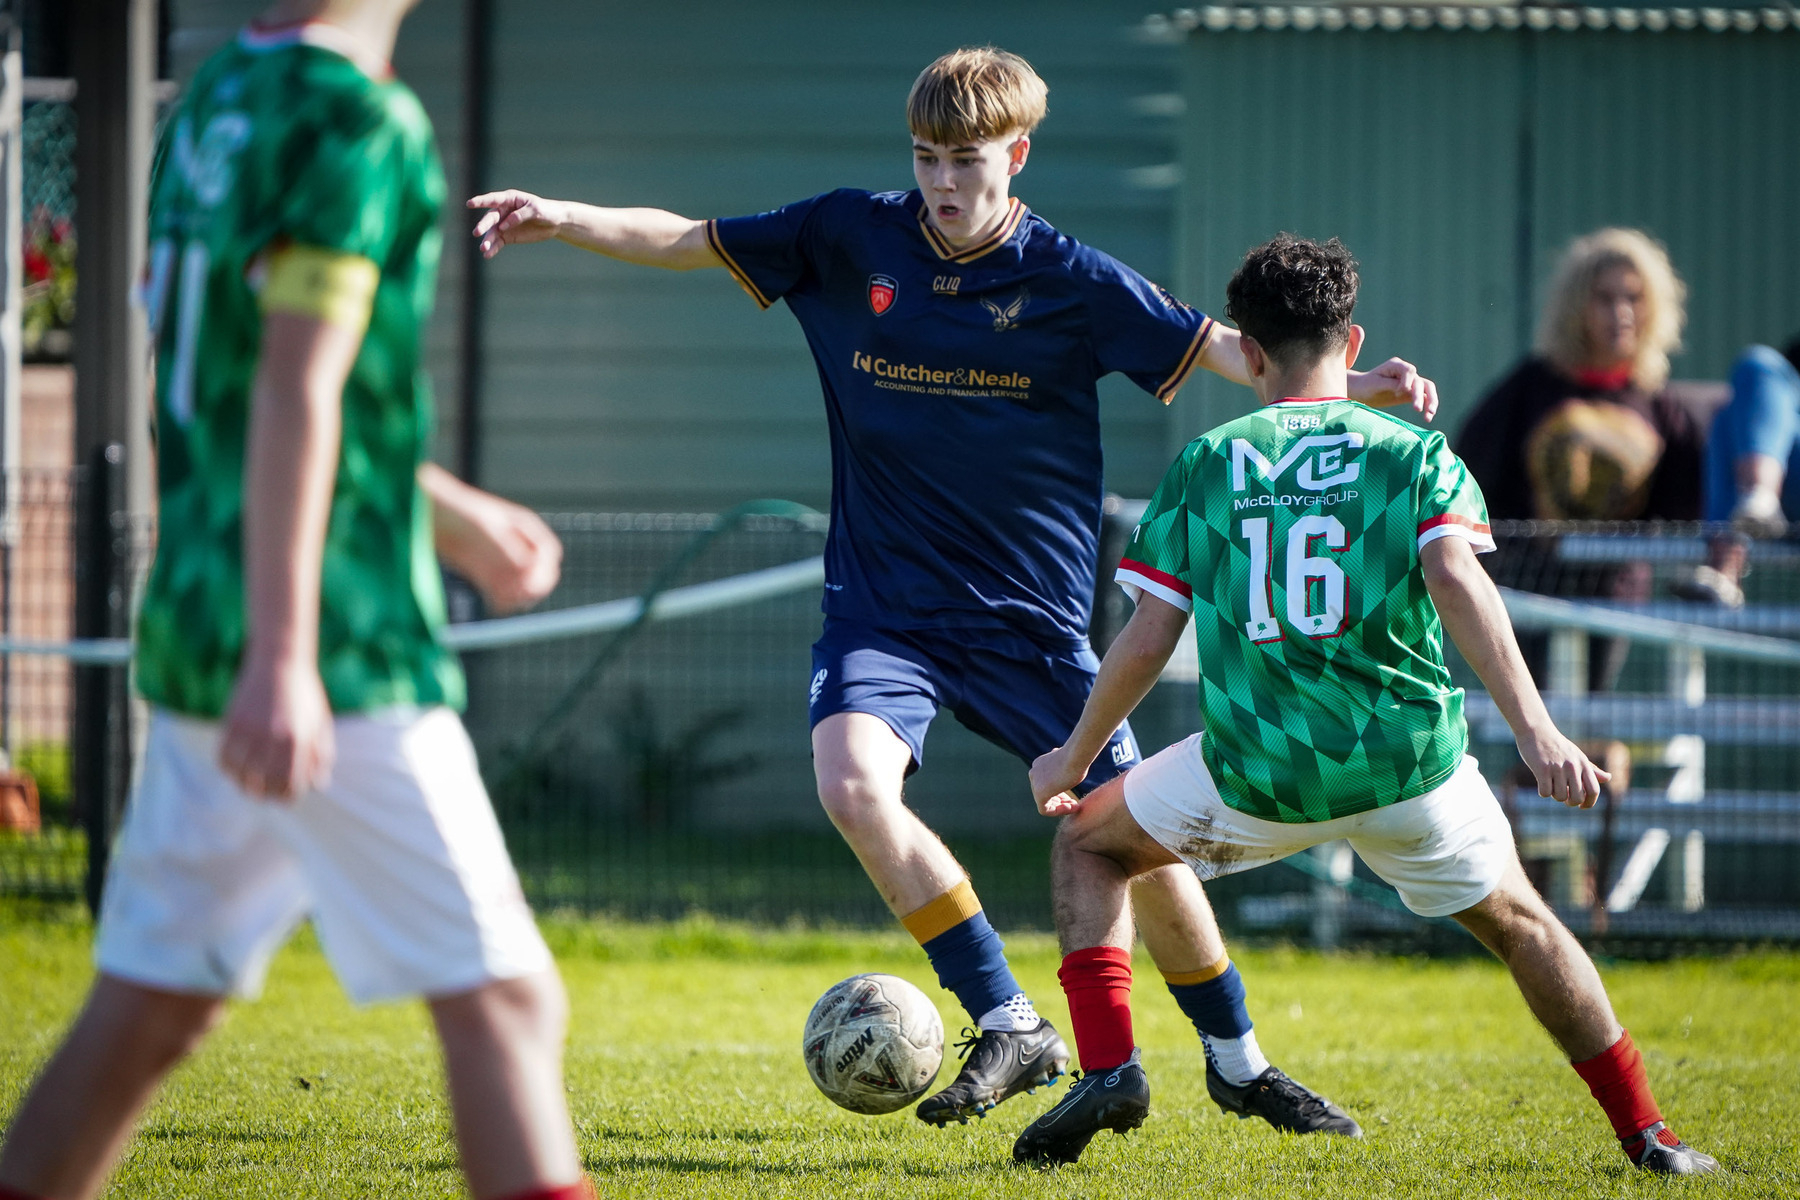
<point x="604" y="617"/>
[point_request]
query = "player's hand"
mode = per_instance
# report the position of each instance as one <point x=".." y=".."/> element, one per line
<point x="1054" y="777"/>
<point x="504" y="549"/>
<point x="1394" y="382"/>
<point x="515" y="217"/>
<point x="278" y="740"/>
<point x="1563" y="772"/>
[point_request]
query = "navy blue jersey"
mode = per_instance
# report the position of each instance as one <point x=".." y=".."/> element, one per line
<point x="960" y="390"/>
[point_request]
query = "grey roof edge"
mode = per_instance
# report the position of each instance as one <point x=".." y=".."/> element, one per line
<point x="1177" y="25"/>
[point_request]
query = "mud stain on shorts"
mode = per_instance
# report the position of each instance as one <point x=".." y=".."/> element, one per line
<point x="1209" y="856"/>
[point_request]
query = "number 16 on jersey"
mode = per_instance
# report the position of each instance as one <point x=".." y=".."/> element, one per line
<point x="1316" y="589"/>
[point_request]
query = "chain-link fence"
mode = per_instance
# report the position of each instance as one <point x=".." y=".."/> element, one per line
<point x="652" y="768"/>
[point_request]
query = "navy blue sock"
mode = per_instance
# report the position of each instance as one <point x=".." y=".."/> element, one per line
<point x="1216" y="1005"/>
<point x="967" y="954"/>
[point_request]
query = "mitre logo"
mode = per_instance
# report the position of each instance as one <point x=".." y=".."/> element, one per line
<point x="882" y="290"/>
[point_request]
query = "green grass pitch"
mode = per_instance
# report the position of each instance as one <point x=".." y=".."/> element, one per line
<point x="685" y="1078"/>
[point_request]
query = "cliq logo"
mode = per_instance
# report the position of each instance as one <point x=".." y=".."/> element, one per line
<point x="1325" y="469"/>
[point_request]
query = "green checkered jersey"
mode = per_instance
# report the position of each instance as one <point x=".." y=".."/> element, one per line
<point x="284" y="140"/>
<point x="1293" y="536"/>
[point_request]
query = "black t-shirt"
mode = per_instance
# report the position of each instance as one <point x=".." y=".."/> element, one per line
<point x="1544" y="446"/>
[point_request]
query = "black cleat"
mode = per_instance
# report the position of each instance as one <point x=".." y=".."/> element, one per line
<point x="999" y="1065"/>
<point x="1283" y="1102"/>
<point x="1118" y="1100"/>
<point x="1657" y="1149"/>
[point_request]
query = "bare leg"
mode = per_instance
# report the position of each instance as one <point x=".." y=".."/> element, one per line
<point x="861" y="766"/>
<point x="80" y="1112"/>
<point x="1098" y="852"/>
<point x="1554" y="974"/>
<point x="1175" y="920"/>
<point x="503" y="1046"/>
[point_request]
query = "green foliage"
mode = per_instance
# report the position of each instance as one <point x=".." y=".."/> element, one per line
<point x="685" y="1078"/>
<point x="50" y="765"/>
<point x="49" y="292"/>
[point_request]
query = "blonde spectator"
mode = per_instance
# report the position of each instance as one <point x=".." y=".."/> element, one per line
<point x="1586" y="428"/>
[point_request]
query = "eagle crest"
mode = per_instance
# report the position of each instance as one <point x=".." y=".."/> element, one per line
<point x="1006" y="318"/>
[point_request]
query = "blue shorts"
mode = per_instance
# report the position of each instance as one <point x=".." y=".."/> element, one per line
<point x="1000" y="685"/>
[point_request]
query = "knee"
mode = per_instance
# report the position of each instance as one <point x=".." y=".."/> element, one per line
<point x="852" y="800"/>
<point x="531" y="1008"/>
<point x="1512" y="921"/>
<point x="167" y="1027"/>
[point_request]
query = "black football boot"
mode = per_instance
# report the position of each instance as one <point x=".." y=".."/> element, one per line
<point x="996" y="1067"/>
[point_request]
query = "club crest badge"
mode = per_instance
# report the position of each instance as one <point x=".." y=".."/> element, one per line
<point x="882" y="290"/>
<point x="1007" y="317"/>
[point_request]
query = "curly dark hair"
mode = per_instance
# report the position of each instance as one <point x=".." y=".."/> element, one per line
<point x="1294" y="297"/>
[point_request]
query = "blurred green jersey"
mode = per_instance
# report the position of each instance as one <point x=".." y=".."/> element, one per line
<point x="283" y="139"/>
<point x="1293" y="535"/>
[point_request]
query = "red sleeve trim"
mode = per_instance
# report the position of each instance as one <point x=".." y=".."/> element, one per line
<point x="1453" y="519"/>
<point x="1151" y="573"/>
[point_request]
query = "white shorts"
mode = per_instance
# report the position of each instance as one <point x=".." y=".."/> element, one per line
<point x="399" y="861"/>
<point x="1444" y="851"/>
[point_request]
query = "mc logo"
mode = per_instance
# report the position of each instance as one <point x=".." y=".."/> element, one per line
<point x="1324" y="466"/>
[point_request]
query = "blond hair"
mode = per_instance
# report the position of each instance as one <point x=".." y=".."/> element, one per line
<point x="973" y="95"/>
<point x="1562" y="329"/>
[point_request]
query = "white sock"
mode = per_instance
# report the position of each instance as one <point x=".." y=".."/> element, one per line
<point x="1239" y="1060"/>
<point x="1016" y="1014"/>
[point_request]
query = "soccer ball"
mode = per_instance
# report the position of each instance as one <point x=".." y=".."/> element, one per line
<point x="873" y="1043"/>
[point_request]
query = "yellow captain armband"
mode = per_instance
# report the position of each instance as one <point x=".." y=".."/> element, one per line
<point x="309" y="281"/>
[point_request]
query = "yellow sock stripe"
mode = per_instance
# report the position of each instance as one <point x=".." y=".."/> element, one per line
<point x="311" y="281"/>
<point x="943" y="914"/>
<point x="1183" y="978"/>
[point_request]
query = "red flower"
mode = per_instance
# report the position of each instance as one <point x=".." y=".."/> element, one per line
<point x="37" y="265"/>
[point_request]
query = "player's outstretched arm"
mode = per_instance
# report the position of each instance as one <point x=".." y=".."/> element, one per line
<point x="1394" y="382"/>
<point x="1471" y="609"/>
<point x="650" y="237"/>
<point x="1132" y="666"/>
<point x="278" y="735"/>
<point x="504" y="549"/>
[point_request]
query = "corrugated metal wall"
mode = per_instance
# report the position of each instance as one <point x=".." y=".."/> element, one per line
<point x="1457" y="164"/>
<point x="615" y="387"/>
<point x="618" y="387"/>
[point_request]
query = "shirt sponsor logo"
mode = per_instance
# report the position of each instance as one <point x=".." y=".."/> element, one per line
<point x="1321" y="459"/>
<point x="1294" y="500"/>
<point x="209" y="167"/>
<point x="882" y="290"/>
<point x="938" y="379"/>
<point x="1007" y="316"/>
<point x="946" y="285"/>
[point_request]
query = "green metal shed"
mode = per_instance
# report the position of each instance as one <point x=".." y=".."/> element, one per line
<point x="1456" y="150"/>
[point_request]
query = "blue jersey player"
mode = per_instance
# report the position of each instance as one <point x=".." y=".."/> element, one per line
<point x="959" y="339"/>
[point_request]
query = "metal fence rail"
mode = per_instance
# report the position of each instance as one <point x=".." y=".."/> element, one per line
<point x="671" y="770"/>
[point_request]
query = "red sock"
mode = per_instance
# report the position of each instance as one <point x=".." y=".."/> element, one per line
<point x="1098" y="984"/>
<point x="1616" y="1077"/>
<point x="582" y="1189"/>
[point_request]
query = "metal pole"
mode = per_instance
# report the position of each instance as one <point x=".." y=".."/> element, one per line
<point x="115" y="65"/>
<point x="101" y="749"/>
<point x="478" y="75"/>
<point x="12" y="280"/>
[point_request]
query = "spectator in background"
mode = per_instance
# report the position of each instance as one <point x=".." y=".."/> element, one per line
<point x="1750" y="459"/>
<point x="1586" y="428"/>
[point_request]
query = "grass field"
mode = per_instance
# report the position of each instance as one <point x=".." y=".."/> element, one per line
<point x="686" y="1080"/>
